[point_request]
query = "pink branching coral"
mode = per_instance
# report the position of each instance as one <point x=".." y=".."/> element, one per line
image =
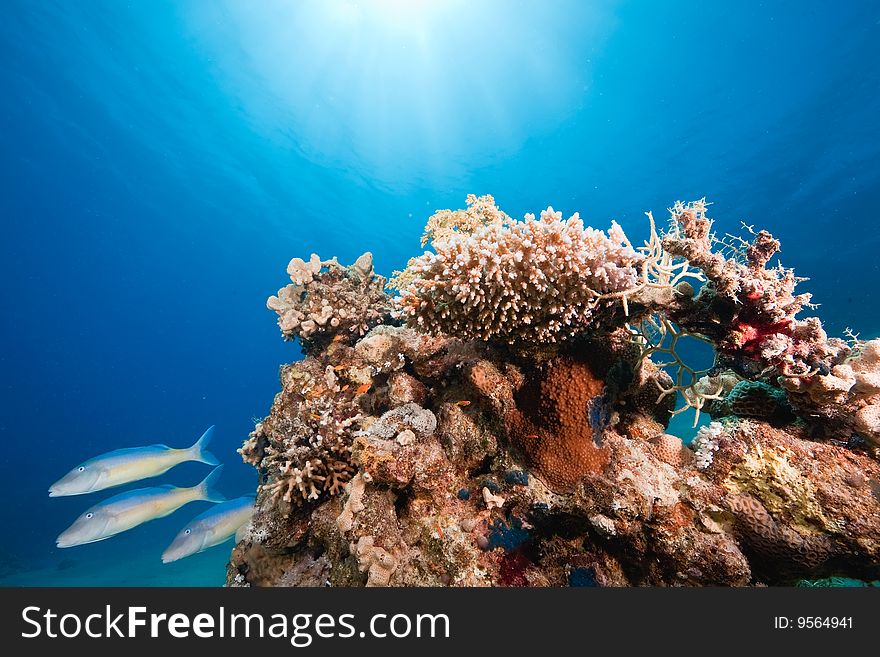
<point x="326" y="299"/>
<point x="538" y="280"/>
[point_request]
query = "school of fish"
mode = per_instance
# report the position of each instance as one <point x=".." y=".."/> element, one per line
<point x="132" y="508"/>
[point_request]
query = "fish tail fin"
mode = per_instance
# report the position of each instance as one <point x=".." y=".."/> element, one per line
<point x="206" y="488"/>
<point x="200" y="449"/>
<point x="242" y="532"/>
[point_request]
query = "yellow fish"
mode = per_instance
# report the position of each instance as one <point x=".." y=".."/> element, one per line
<point x="130" y="464"/>
<point x="135" y="507"/>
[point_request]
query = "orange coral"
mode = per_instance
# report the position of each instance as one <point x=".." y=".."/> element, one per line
<point x="550" y="423"/>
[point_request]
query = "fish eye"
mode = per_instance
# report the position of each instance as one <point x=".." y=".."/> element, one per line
<point x="188" y="531"/>
<point x="82" y="468"/>
<point x="89" y="515"/>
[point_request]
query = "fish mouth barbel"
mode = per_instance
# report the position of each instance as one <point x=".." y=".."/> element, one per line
<point x="135" y="507"/>
<point x="123" y="466"/>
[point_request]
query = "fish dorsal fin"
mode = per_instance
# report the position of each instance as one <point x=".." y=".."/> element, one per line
<point x="124" y="451"/>
<point x="115" y="452"/>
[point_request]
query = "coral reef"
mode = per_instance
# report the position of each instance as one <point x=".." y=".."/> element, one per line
<point x="515" y="431"/>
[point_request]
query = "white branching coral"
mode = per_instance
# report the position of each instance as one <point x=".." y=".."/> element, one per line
<point x="293" y="483"/>
<point x="480" y="211"/>
<point x="538" y="280"/>
<point x="661" y="272"/>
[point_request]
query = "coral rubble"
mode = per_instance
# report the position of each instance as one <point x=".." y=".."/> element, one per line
<point x="504" y="420"/>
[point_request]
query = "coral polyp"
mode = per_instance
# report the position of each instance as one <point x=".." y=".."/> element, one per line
<point x="503" y="420"/>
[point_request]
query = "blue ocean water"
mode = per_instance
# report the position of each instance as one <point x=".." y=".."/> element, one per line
<point x="162" y="161"/>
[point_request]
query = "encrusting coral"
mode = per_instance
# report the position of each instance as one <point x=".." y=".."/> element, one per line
<point x="514" y="432"/>
<point x="549" y="421"/>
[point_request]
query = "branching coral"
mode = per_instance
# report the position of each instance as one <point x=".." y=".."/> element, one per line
<point x="747" y="310"/>
<point x="314" y="465"/>
<point x="303" y="449"/>
<point x="539" y="280"/>
<point x="767" y="293"/>
<point x="664" y="276"/>
<point x="326" y="299"/>
<point x="480" y="212"/>
<point x="706" y="444"/>
<point x="307" y="483"/>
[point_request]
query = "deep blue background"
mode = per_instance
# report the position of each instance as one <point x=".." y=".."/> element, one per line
<point x="162" y="161"/>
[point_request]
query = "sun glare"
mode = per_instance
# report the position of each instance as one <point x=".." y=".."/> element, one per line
<point x="393" y="14"/>
<point x="404" y="86"/>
